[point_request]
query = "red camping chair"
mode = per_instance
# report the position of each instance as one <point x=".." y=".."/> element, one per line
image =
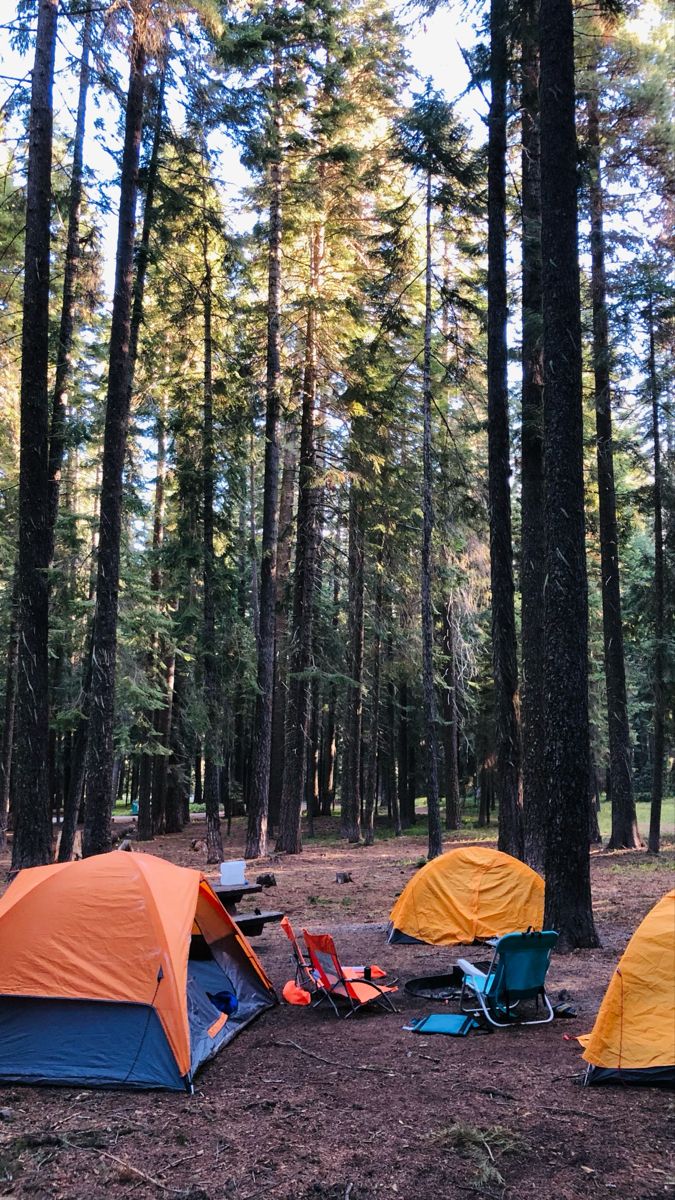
<point x="303" y="972"/>
<point x="332" y="983"/>
<point x="305" y="976"/>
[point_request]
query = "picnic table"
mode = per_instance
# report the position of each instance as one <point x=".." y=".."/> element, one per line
<point x="231" y="894"/>
<point x="251" y="924"/>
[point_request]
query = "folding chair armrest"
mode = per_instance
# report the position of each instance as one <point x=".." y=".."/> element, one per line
<point x="469" y="969"/>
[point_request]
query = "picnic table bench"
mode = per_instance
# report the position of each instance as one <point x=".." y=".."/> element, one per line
<point x="252" y="924"/>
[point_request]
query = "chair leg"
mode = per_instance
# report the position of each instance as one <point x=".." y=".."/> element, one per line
<point x="543" y="1020"/>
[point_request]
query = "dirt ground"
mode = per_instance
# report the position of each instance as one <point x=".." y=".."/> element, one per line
<point x="302" y="1106"/>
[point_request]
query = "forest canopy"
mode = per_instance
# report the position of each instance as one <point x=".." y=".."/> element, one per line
<point x="336" y="425"/>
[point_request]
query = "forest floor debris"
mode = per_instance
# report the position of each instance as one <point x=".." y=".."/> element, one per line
<point x="302" y="1106"/>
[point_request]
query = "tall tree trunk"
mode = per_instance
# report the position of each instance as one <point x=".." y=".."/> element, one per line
<point x="178" y="767"/>
<point x="127" y="316"/>
<point x="57" y="441"/>
<point x="532" y="459"/>
<point x="97" y="837"/>
<point x="284" y="552"/>
<point x="394" y="787"/>
<point x="452" y="809"/>
<point x="403" y="753"/>
<point x="624" y="835"/>
<point x="350" y="786"/>
<point x="568" y="886"/>
<point x="144" y="824"/>
<point x="312" y="749"/>
<point x="428" y="685"/>
<point x="504" y="646"/>
<point x="199" y="787"/>
<point x="299" y="684"/>
<point x="214" y="845"/>
<point x="9" y="712"/>
<point x="146" y="818"/>
<point x="253" y="549"/>
<point x="78" y="760"/>
<point x="256" y="834"/>
<point x="374" y="734"/>
<point x="659" y="607"/>
<point x="155" y="652"/>
<point x="32" y="842"/>
<point x="330" y="734"/>
<point x="143" y="255"/>
<point x="161" y="761"/>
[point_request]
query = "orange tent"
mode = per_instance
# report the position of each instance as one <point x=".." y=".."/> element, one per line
<point x="102" y="978"/>
<point x="633" y="1039"/>
<point x="469" y="893"/>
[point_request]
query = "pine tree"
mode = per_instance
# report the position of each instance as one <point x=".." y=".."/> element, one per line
<point x="32" y="842"/>
<point x="504" y="647"/>
<point x="434" y="144"/>
<point x="624" y="833"/>
<point x="568" y="891"/>
<point x="532" y="465"/>
<point x="96" y="838"/>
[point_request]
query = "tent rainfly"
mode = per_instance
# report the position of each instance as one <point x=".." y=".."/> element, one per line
<point x="469" y="893"/>
<point x="633" y="1039"/>
<point x="121" y="970"/>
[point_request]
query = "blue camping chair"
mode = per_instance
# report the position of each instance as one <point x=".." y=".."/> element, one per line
<point x="517" y="973"/>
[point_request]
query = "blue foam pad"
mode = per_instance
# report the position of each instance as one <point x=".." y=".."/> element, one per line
<point x="453" y="1024"/>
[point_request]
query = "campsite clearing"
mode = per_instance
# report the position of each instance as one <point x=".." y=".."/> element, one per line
<point x="302" y="1106"/>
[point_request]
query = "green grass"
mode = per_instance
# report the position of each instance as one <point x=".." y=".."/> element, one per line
<point x="642" y="808"/>
<point x="469" y="828"/>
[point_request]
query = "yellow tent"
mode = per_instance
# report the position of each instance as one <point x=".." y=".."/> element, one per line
<point x="471" y="892"/>
<point x="633" y="1039"/>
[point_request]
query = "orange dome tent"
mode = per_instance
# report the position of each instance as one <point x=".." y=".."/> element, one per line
<point x="469" y="893"/>
<point x="121" y="969"/>
<point x="633" y="1039"/>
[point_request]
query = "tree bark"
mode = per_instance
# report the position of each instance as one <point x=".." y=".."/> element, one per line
<point x="394" y="786"/>
<point x="143" y="255"/>
<point x="144" y="823"/>
<point x="253" y="550"/>
<point x="9" y="712"/>
<point x="403" y="753"/>
<point x="214" y="845"/>
<point x="654" y="842"/>
<point x="284" y="552"/>
<point x="568" y="888"/>
<point x="97" y="833"/>
<point x="452" y="807"/>
<point x="57" y="441"/>
<point x="625" y="834"/>
<point x="374" y="733"/>
<point x="78" y="758"/>
<point x="32" y="841"/>
<point x="301" y="640"/>
<point x="161" y="761"/>
<point x="256" y="834"/>
<point x="178" y="767"/>
<point x="504" y="647"/>
<point x="155" y="654"/>
<point x="330" y="732"/>
<point x="350" y="785"/>
<point x="532" y="459"/>
<point x="428" y="685"/>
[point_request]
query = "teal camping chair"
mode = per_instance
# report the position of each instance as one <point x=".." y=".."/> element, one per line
<point x="517" y="973"/>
